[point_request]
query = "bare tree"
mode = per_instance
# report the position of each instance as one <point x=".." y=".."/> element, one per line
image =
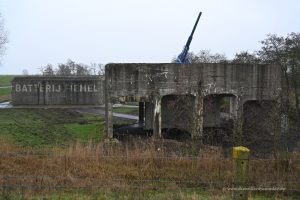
<point x="82" y="70"/>
<point x="25" y="72"/>
<point x="48" y="70"/>
<point x="93" y="68"/>
<point x="246" y="58"/>
<point x="285" y="51"/>
<point x="97" y="69"/>
<point x="3" y="36"/>
<point x="64" y="70"/>
<point x="101" y="69"/>
<point x="71" y="68"/>
<point x="205" y="56"/>
<point x="292" y="43"/>
<point x="270" y="119"/>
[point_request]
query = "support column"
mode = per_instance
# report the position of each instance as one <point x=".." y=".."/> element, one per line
<point x="236" y="109"/>
<point x="108" y="109"/>
<point x="237" y="106"/>
<point x="197" y="132"/>
<point x="108" y="120"/>
<point x="157" y="118"/>
<point x="141" y="112"/>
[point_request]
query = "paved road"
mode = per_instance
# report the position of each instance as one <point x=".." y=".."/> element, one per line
<point x="5" y="87"/>
<point x="5" y="105"/>
<point x="95" y="111"/>
<point x="124" y="106"/>
<point x="82" y="109"/>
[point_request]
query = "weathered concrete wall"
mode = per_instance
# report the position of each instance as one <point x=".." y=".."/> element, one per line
<point x="58" y="90"/>
<point x="145" y="80"/>
<point x="151" y="82"/>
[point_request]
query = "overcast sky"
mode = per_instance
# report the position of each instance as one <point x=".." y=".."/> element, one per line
<point x="51" y="31"/>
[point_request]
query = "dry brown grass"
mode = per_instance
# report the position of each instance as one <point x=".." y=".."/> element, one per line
<point x="135" y="165"/>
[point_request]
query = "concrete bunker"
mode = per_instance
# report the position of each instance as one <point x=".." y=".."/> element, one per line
<point x="157" y="86"/>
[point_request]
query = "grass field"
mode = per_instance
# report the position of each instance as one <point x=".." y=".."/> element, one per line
<point x="126" y="110"/>
<point x="5" y="91"/>
<point x="49" y="127"/>
<point x="136" y="194"/>
<point x="5" y="80"/>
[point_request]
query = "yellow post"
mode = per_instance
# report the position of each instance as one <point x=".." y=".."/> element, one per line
<point x="241" y="172"/>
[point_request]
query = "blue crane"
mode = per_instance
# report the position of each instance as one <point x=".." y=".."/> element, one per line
<point x="182" y="57"/>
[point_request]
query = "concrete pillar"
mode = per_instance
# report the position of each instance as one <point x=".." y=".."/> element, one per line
<point x="236" y="108"/>
<point x="237" y="111"/>
<point x="197" y="132"/>
<point x="141" y="112"/>
<point x="108" y="120"/>
<point x="157" y="118"/>
<point x="108" y="110"/>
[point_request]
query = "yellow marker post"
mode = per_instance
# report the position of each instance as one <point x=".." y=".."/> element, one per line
<point x="241" y="172"/>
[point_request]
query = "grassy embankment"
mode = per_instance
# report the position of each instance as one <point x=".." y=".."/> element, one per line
<point x="126" y="110"/>
<point x="40" y="128"/>
<point x="5" y="91"/>
<point x="49" y="127"/>
<point x="5" y="80"/>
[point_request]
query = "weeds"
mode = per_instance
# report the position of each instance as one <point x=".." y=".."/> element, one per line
<point x="146" y="167"/>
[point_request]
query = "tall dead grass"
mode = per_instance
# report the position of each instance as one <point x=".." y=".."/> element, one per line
<point x="147" y="165"/>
